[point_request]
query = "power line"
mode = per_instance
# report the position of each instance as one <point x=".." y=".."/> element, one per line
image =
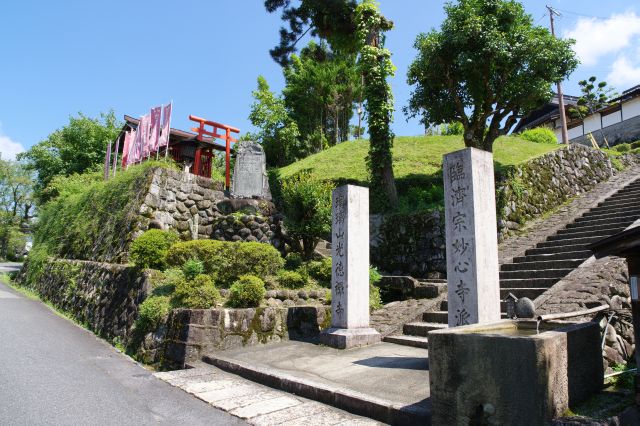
<point x="581" y="14"/>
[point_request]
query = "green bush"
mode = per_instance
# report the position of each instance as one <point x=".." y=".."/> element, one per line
<point x="192" y="268"/>
<point x="321" y="270"/>
<point x="624" y="147"/>
<point x="149" y="250"/>
<point x="199" y="293"/>
<point x="540" y="135"/>
<point x="292" y="279"/>
<point x="452" y="129"/>
<point x="293" y="261"/>
<point x="247" y="292"/>
<point x="152" y="312"/>
<point x="375" y="300"/>
<point x="635" y="144"/>
<point x="306" y="206"/>
<point x="227" y="260"/>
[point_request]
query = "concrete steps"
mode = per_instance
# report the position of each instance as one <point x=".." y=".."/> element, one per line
<point x="528" y="274"/>
<point x="421" y="329"/>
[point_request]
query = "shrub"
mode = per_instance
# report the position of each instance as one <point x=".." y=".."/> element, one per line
<point x="306" y="206"/>
<point x="149" y="250"/>
<point x="451" y="129"/>
<point x="248" y="291"/>
<point x="192" y="268"/>
<point x="226" y="260"/>
<point x="292" y="279"/>
<point x="152" y="312"/>
<point x="199" y="293"/>
<point x="635" y="144"/>
<point x="540" y="135"/>
<point x="624" y="147"/>
<point x="375" y="300"/>
<point x="321" y="270"/>
<point x="293" y="261"/>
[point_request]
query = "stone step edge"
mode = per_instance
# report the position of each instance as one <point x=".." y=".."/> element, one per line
<point x="408" y="340"/>
<point x="352" y="401"/>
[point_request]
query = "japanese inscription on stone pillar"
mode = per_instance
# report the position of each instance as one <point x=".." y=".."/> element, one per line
<point x="350" y="257"/>
<point x="471" y="233"/>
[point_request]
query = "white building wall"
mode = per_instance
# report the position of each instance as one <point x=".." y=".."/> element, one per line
<point x="631" y="108"/>
<point x="575" y="132"/>
<point x="592" y="123"/>
<point x="558" y="133"/>
<point x="613" y="118"/>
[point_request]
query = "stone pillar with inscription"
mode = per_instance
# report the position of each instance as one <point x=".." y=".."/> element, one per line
<point x="350" y="275"/>
<point x="471" y="233"/>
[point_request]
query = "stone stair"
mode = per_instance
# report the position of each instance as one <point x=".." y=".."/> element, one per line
<point x="548" y="262"/>
<point x="545" y="264"/>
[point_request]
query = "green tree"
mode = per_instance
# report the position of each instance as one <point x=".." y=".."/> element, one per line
<point x="306" y="206"/>
<point x="278" y="134"/>
<point x="75" y="148"/>
<point x="358" y="29"/>
<point x="16" y="206"/>
<point x="593" y="98"/>
<point x="320" y="90"/>
<point x="487" y="66"/>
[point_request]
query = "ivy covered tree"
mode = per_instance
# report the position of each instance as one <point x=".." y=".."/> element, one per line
<point x="352" y="28"/>
<point x="75" y="148"/>
<point x="487" y="66"/>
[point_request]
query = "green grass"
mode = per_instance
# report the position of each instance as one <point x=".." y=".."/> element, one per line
<point x="414" y="157"/>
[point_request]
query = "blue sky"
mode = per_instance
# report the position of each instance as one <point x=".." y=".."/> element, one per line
<point x="60" y="58"/>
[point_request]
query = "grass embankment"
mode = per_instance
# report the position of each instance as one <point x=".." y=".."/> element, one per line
<point x="417" y="164"/>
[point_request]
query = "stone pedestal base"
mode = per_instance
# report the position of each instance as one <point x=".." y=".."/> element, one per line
<point x="347" y="338"/>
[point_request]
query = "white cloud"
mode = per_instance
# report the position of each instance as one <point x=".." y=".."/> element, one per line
<point x="624" y="73"/>
<point x="9" y="148"/>
<point x="596" y="38"/>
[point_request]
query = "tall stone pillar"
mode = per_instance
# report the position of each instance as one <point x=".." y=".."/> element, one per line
<point x="350" y="274"/>
<point x="472" y="237"/>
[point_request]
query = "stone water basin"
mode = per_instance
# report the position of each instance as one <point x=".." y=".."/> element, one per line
<point x="511" y="373"/>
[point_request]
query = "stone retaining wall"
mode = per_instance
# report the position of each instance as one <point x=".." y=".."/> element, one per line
<point x="188" y="334"/>
<point x="198" y="208"/>
<point x="414" y="243"/>
<point x="103" y="296"/>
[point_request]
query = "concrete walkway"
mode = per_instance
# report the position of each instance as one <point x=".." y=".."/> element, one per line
<point x="53" y="372"/>
<point x="258" y="404"/>
<point x="387" y="382"/>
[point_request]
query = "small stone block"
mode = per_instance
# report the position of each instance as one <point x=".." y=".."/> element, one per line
<point x="347" y="338"/>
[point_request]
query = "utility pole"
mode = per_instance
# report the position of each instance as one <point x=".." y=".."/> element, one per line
<point x="563" y="118"/>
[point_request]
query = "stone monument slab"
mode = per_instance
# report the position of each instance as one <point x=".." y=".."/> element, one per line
<point x="471" y="234"/>
<point x="250" y="172"/>
<point x="350" y="273"/>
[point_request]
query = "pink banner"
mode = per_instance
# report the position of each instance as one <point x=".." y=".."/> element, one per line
<point x="134" y="149"/>
<point x="154" y="128"/>
<point x="125" y="148"/>
<point x="144" y="136"/>
<point x="166" y="125"/>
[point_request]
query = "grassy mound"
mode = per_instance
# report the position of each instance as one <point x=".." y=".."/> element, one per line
<point x="417" y="164"/>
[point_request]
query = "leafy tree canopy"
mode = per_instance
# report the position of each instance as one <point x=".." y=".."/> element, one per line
<point x="75" y="148"/>
<point x="594" y="97"/>
<point x="332" y="20"/>
<point x="16" y="207"/>
<point x="487" y="66"/>
<point x="320" y="90"/>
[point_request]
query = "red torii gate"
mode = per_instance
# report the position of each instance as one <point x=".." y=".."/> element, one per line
<point x="220" y="131"/>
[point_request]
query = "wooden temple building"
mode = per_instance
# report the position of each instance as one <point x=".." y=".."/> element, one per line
<point x="193" y="151"/>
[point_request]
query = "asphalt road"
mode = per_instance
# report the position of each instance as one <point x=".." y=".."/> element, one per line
<point x="53" y="372"/>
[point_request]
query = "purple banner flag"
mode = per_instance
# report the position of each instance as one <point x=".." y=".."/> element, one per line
<point x="134" y="151"/>
<point x="154" y="128"/>
<point x="166" y="125"/>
